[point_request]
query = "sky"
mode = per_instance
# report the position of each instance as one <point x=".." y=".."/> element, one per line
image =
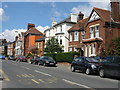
<point x="14" y="16"/>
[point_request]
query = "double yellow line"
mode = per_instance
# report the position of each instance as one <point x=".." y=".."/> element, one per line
<point x="5" y="77"/>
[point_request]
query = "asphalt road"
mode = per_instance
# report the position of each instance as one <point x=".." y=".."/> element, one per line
<point x="25" y="75"/>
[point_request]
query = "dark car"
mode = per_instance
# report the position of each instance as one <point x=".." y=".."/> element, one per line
<point x="47" y="61"/>
<point x="21" y="59"/>
<point x="110" y="66"/>
<point x="35" y="60"/>
<point x="87" y="65"/>
<point x="11" y="58"/>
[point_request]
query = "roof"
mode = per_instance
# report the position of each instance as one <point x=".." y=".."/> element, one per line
<point x="41" y="39"/>
<point x="67" y="20"/>
<point x="33" y="30"/>
<point x="79" y="26"/>
<point x="104" y="14"/>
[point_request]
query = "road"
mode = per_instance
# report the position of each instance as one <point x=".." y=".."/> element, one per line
<point x="26" y="75"/>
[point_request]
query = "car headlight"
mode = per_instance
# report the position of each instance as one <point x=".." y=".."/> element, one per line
<point x="47" y="61"/>
<point x="93" y="66"/>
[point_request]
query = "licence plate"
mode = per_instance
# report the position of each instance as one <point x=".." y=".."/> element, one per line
<point x="51" y="63"/>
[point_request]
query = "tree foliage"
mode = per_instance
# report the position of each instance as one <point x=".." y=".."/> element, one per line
<point x="114" y="47"/>
<point x="52" y="46"/>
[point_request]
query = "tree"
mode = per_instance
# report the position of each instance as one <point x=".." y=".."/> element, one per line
<point x="52" y="46"/>
<point x="114" y="47"/>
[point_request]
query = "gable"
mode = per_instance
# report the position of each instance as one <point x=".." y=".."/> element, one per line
<point x="94" y="16"/>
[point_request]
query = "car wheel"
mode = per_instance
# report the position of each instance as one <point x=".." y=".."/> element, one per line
<point x="88" y="71"/>
<point x="102" y="73"/>
<point x="72" y="69"/>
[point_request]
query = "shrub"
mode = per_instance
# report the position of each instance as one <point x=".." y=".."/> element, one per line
<point x="63" y="57"/>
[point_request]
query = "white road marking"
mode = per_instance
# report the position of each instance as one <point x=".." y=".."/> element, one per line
<point x="74" y="83"/>
<point x="25" y="67"/>
<point x="42" y="73"/>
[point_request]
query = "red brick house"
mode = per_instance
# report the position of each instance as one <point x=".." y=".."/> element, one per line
<point x="98" y="30"/>
<point x="30" y="36"/>
<point x="76" y="34"/>
<point x="40" y="46"/>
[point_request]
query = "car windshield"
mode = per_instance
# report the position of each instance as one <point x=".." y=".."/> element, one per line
<point x="22" y="56"/>
<point x="91" y="60"/>
<point x="48" y="58"/>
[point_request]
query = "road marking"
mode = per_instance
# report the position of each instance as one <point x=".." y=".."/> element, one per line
<point x="41" y="80"/>
<point x="42" y="73"/>
<point x="35" y="81"/>
<point x="18" y="76"/>
<point x="4" y="75"/>
<point x="25" y="67"/>
<point x="73" y="83"/>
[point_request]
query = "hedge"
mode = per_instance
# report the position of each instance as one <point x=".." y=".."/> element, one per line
<point x="63" y="57"/>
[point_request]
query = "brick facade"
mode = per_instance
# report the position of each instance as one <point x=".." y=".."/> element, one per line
<point x="30" y="36"/>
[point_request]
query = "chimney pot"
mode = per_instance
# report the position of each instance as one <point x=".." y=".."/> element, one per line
<point x="80" y="16"/>
<point x="30" y="25"/>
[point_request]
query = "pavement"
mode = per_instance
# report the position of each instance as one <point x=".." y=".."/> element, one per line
<point x="26" y="75"/>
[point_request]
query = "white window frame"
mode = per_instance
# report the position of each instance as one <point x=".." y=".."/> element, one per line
<point x="70" y="49"/>
<point x="70" y="36"/>
<point x="91" y="32"/>
<point x="97" y="31"/>
<point x="76" y="36"/>
<point x="83" y="35"/>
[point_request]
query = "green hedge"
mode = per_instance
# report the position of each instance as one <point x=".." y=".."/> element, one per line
<point x="63" y="57"/>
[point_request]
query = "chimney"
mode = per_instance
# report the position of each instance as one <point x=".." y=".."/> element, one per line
<point x="73" y="17"/>
<point x="80" y="16"/>
<point x="53" y="23"/>
<point x="115" y="11"/>
<point x="30" y="25"/>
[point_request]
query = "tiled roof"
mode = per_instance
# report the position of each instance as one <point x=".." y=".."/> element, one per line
<point x="79" y="26"/>
<point x="67" y="20"/>
<point x="33" y="30"/>
<point x="104" y="14"/>
<point x="41" y="39"/>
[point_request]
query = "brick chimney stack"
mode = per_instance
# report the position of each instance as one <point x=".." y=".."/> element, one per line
<point x="115" y="11"/>
<point x="30" y="25"/>
<point x="80" y="16"/>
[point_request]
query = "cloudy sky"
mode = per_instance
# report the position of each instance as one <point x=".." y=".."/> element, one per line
<point x="16" y="15"/>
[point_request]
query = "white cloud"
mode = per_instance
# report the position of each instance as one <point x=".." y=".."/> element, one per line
<point x="9" y="35"/>
<point x="5" y="6"/>
<point x="56" y="14"/>
<point x="41" y="28"/>
<point x="86" y="9"/>
<point x="3" y="17"/>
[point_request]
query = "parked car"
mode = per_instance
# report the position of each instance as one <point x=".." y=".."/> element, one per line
<point x="47" y="61"/>
<point x="110" y="66"/>
<point x="35" y="60"/>
<point x="21" y="59"/>
<point x="11" y="58"/>
<point x="87" y="65"/>
<point x="2" y="57"/>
